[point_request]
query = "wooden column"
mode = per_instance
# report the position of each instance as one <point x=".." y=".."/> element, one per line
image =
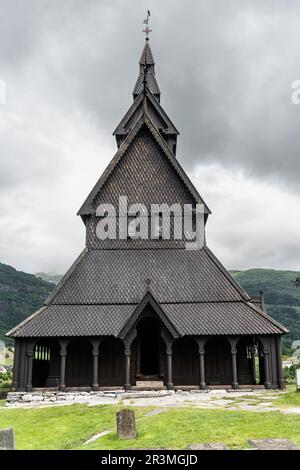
<point x="169" y="368"/>
<point x="138" y="358"/>
<point x="201" y="343"/>
<point x="16" y="367"/>
<point x="168" y="340"/>
<point x="233" y="340"/>
<point x="63" y="358"/>
<point x="95" y="343"/>
<point x="127" y="384"/>
<point x="202" y="369"/>
<point x="253" y="365"/>
<point x="29" y="370"/>
<point x="128" y="340"/>
<point x="234" y="368"/>
<point x="267" y="367"/>
<point x="280" y="378"/>
<point x="95" y="384"/>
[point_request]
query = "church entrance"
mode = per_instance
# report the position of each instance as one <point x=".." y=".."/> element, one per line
<point x="148" y="349"/>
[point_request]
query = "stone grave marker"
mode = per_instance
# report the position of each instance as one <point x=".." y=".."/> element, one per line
<point x="126" y="424"/>
<point x="7" y="441"/>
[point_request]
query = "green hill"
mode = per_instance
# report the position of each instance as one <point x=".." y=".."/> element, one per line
<point x="281" y="295"/>
<point x="21" y="294"/>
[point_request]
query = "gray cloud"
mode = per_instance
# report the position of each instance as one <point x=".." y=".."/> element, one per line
<point x="225" y="71"/>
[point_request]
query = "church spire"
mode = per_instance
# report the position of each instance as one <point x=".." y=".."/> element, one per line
<point x="147" y="63"/>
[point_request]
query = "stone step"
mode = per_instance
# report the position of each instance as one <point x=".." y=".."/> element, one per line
<point x="149" y="384"/>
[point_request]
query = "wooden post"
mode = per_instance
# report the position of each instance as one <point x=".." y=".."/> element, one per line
<point x="202" y="369"/>
<point x="201" y="350"/>
<point x="95" y="343"/>
<point x="266" y="368"/>
<point x="63" y="357"/>
<point x="234" y="369"/>
<point x="169" y="369"/>
<point x="233" y="342"/>
<point x="127" y="369"/>
<point x="62" y="383"/>
<point x="138" y="358"/>
<point x="280" y="378"/>
<point x="253" y="365"/>
<point x="95" y="384"/>
<point x="29" y="370"/>
<point x="16" y="367"/>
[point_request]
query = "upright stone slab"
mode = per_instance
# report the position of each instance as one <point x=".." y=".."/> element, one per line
<point x="126" y="424"/>
<point x="7" y="439"/>
<point x="298" y="379"/>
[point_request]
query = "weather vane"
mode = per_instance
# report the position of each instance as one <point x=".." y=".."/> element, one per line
<point x="147" y="30"/>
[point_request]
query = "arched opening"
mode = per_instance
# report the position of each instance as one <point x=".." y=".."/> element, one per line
<point x="149" y="345"/>
<point x="246" y="367"/>
<point x="46" y="364"/>
<point x="111" y="362"/>
<point x="79" y="364"/>
<point x="185" y="362"/>
<point x="218" y="365"/>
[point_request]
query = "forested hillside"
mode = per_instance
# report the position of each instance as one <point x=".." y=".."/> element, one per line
<point x="21" y="294"/>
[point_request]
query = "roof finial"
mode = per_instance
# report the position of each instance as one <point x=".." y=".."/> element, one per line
<point x="147" y="30"/>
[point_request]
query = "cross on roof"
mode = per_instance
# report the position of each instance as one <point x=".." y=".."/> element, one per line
<point x="147" y="30"/>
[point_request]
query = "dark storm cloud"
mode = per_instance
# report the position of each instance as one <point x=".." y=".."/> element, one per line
<point x="225" y="70"/>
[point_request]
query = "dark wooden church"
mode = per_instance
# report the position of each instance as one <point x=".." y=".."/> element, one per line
<point x="133" y="312"/>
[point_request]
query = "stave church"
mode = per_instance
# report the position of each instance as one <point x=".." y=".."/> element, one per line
<point x="134" y="313"/>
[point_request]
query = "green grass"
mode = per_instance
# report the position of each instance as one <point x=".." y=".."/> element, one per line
<point x="177" y="429"/>
<point x="68" y="427"/>
<point x="288" y="399"/>
<point x="62" y="427"/>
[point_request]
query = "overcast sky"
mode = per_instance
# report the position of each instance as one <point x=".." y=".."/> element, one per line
<point x="225" y="70"/>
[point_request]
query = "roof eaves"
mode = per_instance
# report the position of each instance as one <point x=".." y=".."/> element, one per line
<point x="24" y="322"/>
<point x="224" y="271"/>
<point x="267" y="317"/>
<point x="65" y="277"/>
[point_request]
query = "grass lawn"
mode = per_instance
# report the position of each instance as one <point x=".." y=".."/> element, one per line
<point x="68" y="427"/>
<point x="289" y="399"/>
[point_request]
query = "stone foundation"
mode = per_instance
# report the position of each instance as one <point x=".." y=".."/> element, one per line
<point x="52" y="397"/>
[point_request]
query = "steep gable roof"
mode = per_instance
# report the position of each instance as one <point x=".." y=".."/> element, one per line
<point x="136" y="109"/>
<point x="148" y="299"/>
<point x="145" y="120"/>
